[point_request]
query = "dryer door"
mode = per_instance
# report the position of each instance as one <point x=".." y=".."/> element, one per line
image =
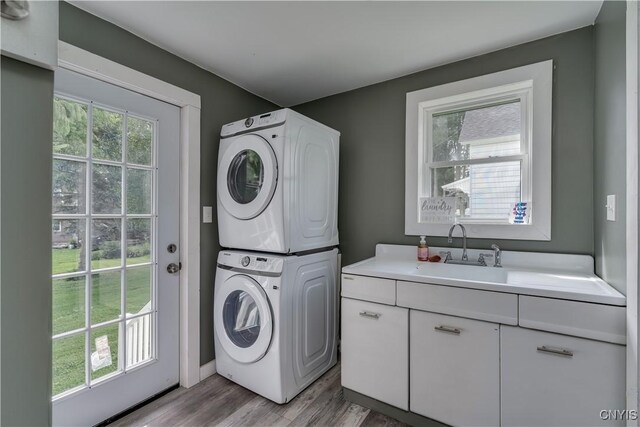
<point x="247" y="176"/>
<point x="243" y="319"/>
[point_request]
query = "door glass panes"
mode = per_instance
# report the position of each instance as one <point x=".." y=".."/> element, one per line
<point x="107" y="134"/>
<point x="489" y="131"/>
<point x="241" y="319"/>
<point x="106" y="301"/>
<point x="140" y="140"/>
<point x="138" y="290"/>
<point x="140" y="347"/>
<point x="138" y="191"/>
<point x="245" y="176"/>
<point x="68" y="304"/>
<point x="103" y="240"/>
<point x="138" y="241"/>
<point x="69" y="188"/>
<point x="68" y="354"/>
<point x="106" y="244"/>
<point x="68" y="245"/>
<point x="106" y="186"/>
<point x="70" y="127"/>
<point x="105" y="342"/>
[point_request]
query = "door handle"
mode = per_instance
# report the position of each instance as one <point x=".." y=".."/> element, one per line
<point x="448" y="329"/>
<point x="558" y="351"/>
<point x="173" y="268"/>
<point x="370" y="315"/>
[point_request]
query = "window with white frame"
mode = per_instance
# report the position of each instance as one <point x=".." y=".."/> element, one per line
<point x="485" y="145"/>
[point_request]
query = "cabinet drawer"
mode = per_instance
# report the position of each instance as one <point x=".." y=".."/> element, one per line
<point x="581" y="319"/>
<point x="375" y="351"/>
<point x="550" y="379"/>
<point x="369" y="288"/>
<point x="483" y="305"/>
<point x="455" y="369"/>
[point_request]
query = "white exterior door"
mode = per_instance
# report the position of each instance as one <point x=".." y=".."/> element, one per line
<point x="115" y="260"/>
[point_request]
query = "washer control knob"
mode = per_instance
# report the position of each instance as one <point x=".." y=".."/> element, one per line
<point x="248" y="122"/>
<point x="245" y="261"/>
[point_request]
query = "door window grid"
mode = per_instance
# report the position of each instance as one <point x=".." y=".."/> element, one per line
<point x="125" y="361"/>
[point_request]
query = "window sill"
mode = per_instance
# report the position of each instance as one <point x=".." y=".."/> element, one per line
<point x="485" y="231"/>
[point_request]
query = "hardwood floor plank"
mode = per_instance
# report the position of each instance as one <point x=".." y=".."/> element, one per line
<point x="218" y="408"/>
<point x="354" y="416"/>
<point x="376" y="419"/>
<point x="306" y="397"/>
<point x="219" y="402"/>
<point x="258" y="411"/>
<point x="328" y="404"/>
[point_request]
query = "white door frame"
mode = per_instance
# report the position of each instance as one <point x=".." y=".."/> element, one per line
<point x="81" y="61"/>
<point x="633" y="104"/>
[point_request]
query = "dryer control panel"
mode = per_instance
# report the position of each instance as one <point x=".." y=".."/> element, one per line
<point x="247" y="261"/>
<point x="255" y="122"/>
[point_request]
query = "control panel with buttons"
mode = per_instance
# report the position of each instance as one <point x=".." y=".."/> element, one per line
<point x="257" y="263"/>
<point x="254" y="123"/>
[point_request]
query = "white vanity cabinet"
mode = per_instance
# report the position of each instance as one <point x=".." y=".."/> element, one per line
<point x="436" y="341"/>
<point x="550" y="379"/>
<point x="455" y="369"/>
<point x="375" y="351"/>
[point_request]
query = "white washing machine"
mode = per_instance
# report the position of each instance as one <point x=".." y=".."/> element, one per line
<point x="275" y="320"/>
<point x="278" y="184"/>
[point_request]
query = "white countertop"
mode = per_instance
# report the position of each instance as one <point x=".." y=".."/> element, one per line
<point x="561" y="276"/>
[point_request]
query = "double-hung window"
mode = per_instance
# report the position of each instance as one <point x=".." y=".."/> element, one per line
<point x="484" y="144"/>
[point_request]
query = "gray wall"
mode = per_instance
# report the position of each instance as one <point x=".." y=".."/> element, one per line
<point x="610" y="142"/>
<point x="372" y="122"/>
<point x="25" y="271"/>
<point x="222" y="102"/>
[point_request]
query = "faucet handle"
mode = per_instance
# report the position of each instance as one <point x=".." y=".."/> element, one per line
<point x="447" y="255"/>
<point x="481" y="258"/>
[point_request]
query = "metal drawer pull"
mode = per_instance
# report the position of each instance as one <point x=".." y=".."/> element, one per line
<point x="369" y="315"/>
<point x="558" y="351"/>
<point x="448" y="329"/>
<point x="347" y="278"/>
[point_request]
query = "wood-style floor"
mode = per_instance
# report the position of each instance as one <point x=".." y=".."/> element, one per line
<point x="217" y="401"/>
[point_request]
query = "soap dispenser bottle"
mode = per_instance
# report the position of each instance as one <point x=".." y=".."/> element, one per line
<point x="423" y="249"/>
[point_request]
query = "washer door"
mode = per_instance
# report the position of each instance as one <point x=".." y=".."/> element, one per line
<point x="243" y="319"/>
<point x="250" y="171"/>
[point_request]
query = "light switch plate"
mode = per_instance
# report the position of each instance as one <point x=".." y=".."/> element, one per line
<point x="611" y="207"/>
<point x="207" y="214"/>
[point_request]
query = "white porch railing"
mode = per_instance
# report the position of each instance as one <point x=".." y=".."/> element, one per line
<point x="139" y="338"/>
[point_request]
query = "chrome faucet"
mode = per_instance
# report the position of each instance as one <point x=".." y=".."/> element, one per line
<point x="497" y="254"/>
<point x="464" y="240"/>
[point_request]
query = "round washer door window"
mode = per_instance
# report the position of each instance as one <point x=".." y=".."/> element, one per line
<point x="247" y="176"/>
<point x="243" y="318"/>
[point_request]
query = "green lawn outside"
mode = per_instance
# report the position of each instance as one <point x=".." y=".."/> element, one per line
<point x="69" y="314"/>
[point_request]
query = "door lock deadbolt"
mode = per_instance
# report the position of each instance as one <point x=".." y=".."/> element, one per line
<point x="172" y="248"/>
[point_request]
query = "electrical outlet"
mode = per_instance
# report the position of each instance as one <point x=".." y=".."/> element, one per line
<point x="611" y="207"/>
<point x="207" y="214"/>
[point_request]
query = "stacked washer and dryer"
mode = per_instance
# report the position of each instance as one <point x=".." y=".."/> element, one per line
<point x="276" y="293"/>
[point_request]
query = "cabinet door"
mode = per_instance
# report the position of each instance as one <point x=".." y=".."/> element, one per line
<point x="550" y="379"/>
<point x="375" y="351"/>
<point x="455" y="369"/>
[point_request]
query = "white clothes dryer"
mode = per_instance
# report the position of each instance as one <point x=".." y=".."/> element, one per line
<point x="278" y="184"/>
<point x="275" y="320"/>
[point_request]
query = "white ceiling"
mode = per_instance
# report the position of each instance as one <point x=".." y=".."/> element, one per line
<point x="293" y="52"/>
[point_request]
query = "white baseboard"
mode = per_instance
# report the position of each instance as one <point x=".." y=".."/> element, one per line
<point x="207" y="369"/>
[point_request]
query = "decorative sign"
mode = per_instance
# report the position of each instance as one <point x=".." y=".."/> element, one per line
<point x="438" y="210"/>
<point x="101" y="358"/>
<point x="520" y="213"/>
